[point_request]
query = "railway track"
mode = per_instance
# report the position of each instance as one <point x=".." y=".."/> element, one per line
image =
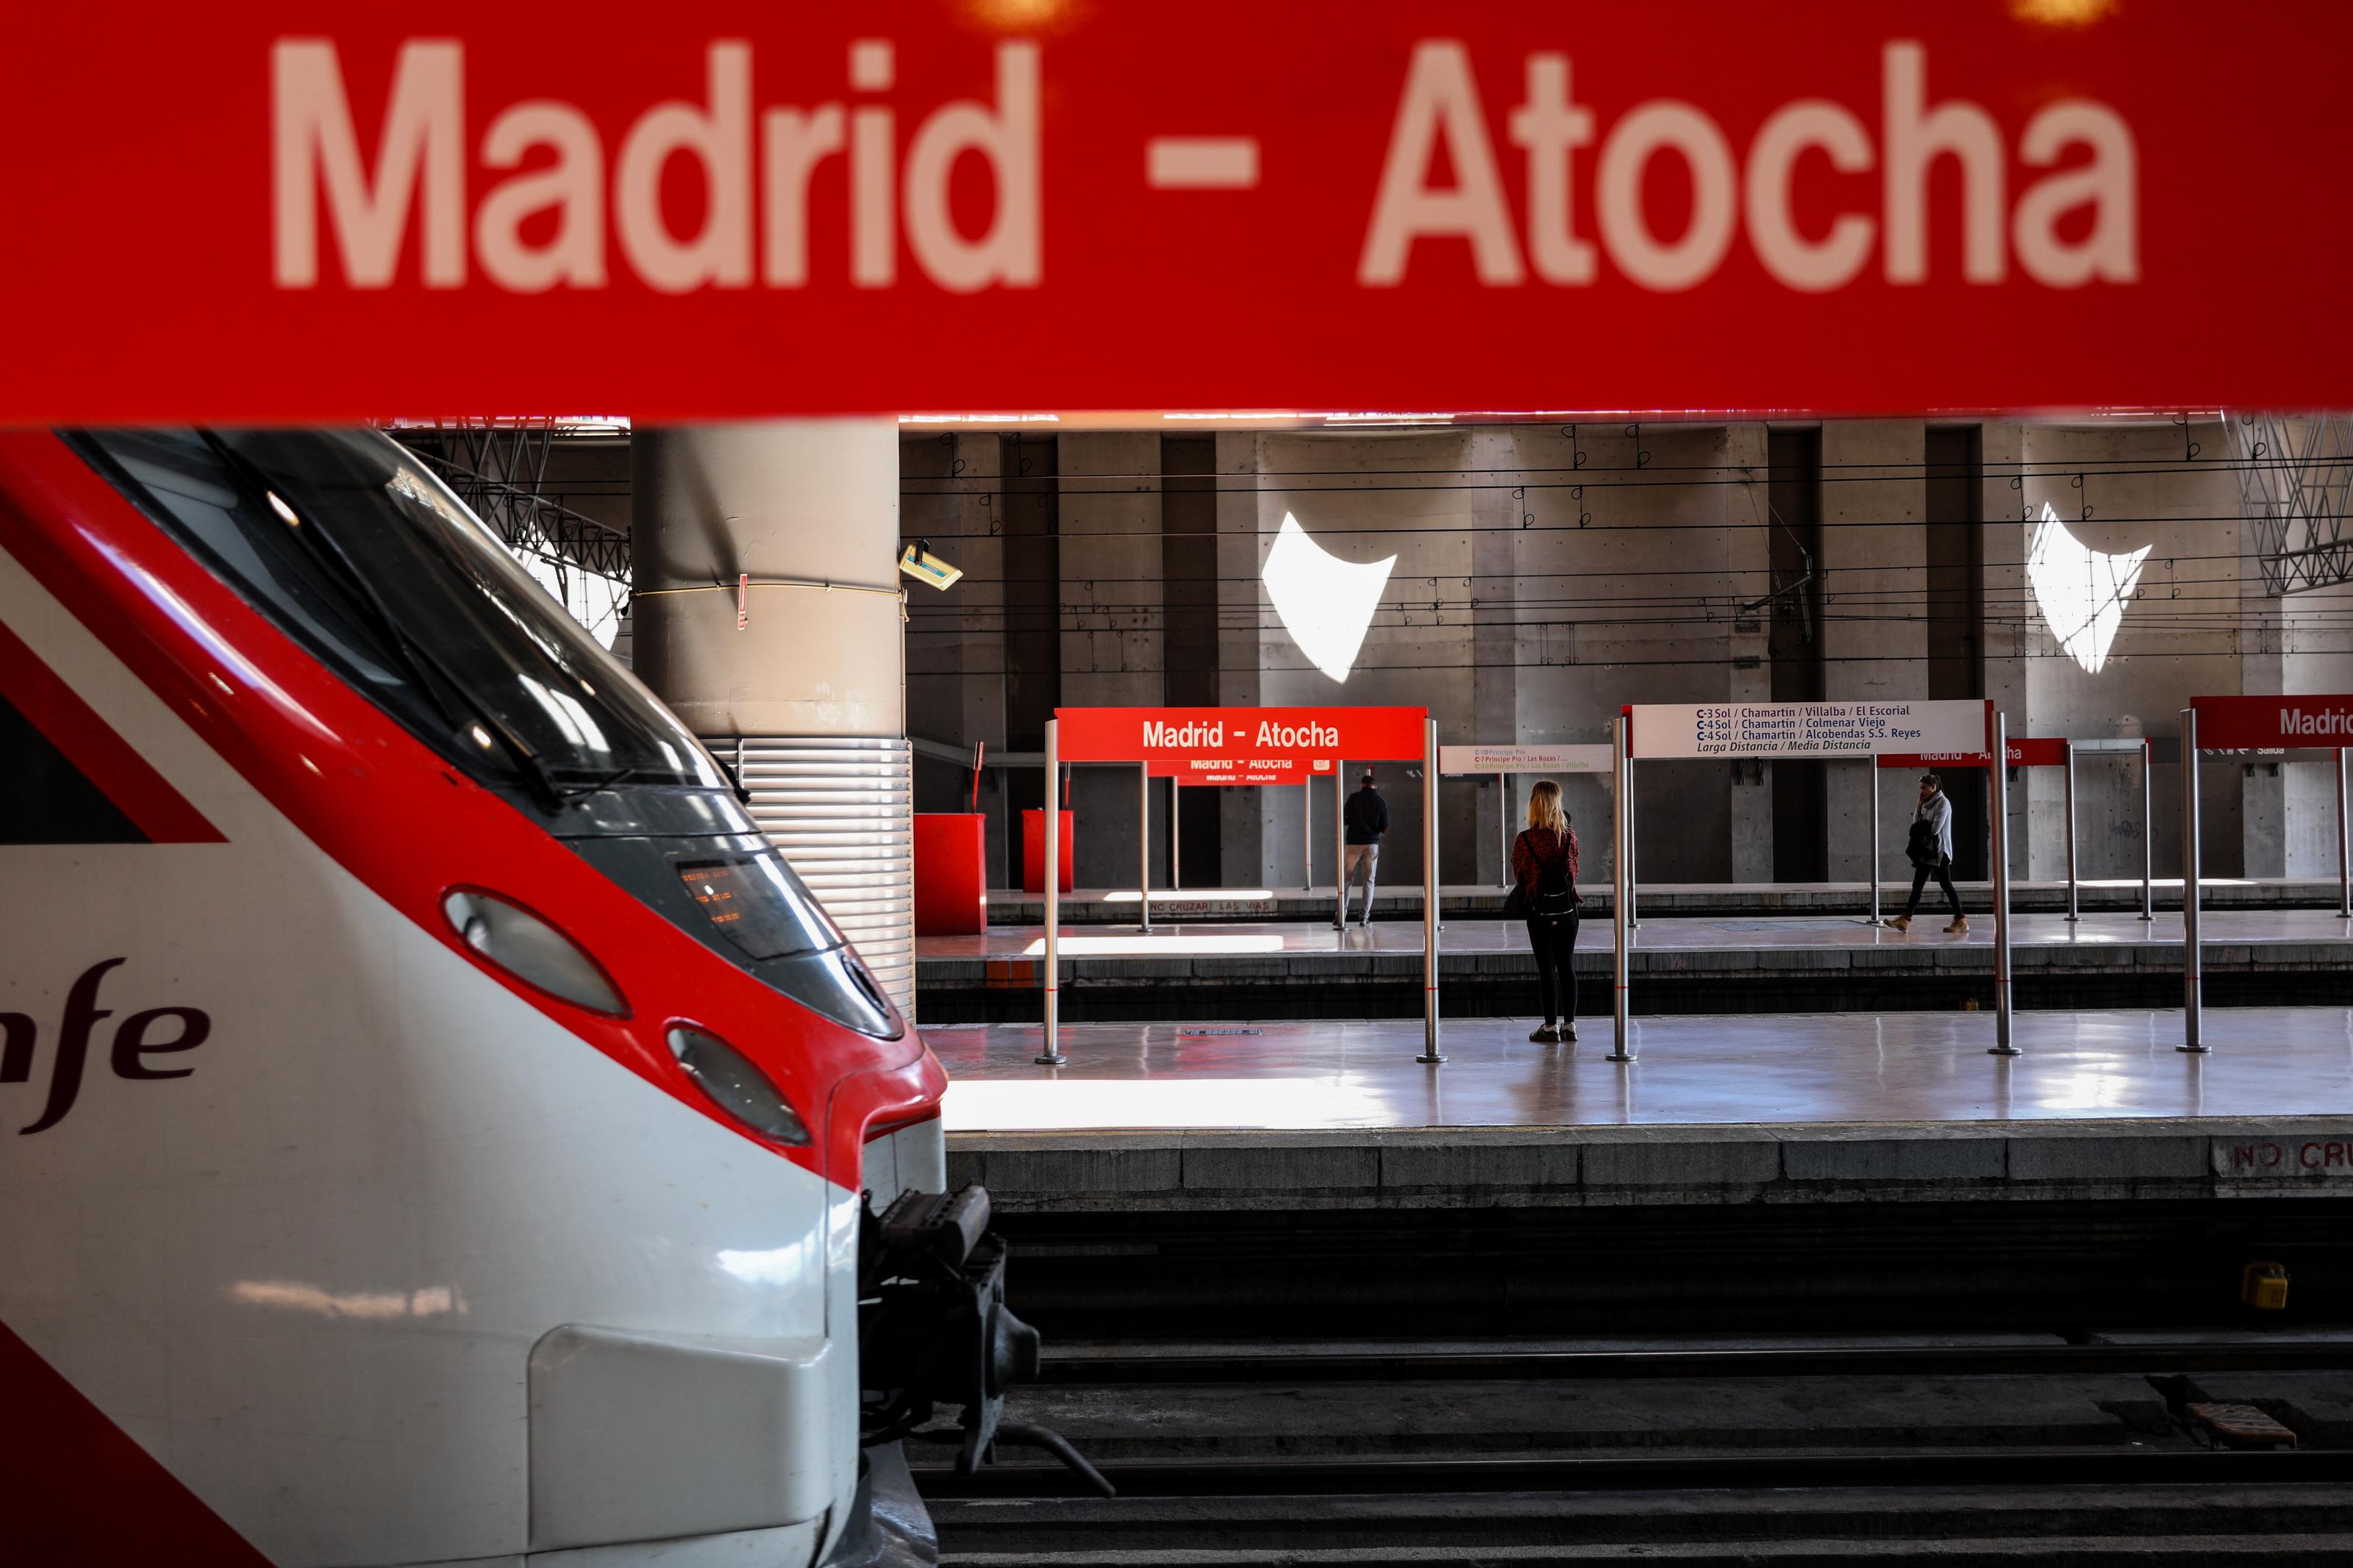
<point x="2063" y="1354"/>
<point x="2072" y="1448"/>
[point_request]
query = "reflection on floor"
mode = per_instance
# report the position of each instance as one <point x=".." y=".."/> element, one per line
<point x="2217" y="928"/>
<point x="1810" y="1067"/>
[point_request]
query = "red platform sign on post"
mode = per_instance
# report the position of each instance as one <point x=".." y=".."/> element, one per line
<point x="315" y="208"/>
<point x="1239" y="746"/>
<point x="2261" y="723"/>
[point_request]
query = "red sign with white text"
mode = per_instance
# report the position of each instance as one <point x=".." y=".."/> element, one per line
<point x="2246" y="724"/>
<point x="301" y="211"/>
<point x="1239" y="746"/>
<point x="2025" y="751"/>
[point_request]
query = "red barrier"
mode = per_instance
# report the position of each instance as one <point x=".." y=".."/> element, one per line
<point x="951" y="873"/>
<point x="1033" y="851"/>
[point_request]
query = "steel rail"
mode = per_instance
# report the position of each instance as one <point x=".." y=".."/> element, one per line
<point x="1806" y="1361"/>
<point x="2038" y="1466"/>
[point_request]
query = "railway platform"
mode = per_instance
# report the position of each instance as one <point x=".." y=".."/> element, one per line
<point x="1823" y="1109"/>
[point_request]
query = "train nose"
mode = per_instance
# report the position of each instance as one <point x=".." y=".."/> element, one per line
<point x="934" y="1329"/>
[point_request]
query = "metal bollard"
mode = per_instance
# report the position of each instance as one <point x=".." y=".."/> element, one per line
<point x="1340" y="842"/>
<point x="1429" y="1051"/>
<point x="1873" y="763"/>
<point x="2344" y="854"/>
<point x="1620" y="895"/>
<point x="2074" y="912"/>
<point x="1052" y="1056"/>
<point x="2002" y="1043"/>
<point x="2148" y="836"/>
<point x="2193" y="976"/>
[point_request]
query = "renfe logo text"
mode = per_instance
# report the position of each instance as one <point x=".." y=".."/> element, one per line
<point x="135" y="1041"/>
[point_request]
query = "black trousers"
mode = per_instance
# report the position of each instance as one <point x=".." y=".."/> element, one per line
<point x="1554" y="938"/>
<point x="1943" y="869"/>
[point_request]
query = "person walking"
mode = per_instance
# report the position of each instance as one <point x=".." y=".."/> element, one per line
<point x="1930" y="850"/>
<point x="1543" y="886"/>
<point x="1366" y="817"/>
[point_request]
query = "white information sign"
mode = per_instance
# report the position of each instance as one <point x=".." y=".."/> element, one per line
<point x="1523" y="759"/>
<point x="1807" y="729"/>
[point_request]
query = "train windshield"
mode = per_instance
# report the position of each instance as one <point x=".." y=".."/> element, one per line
<point x="352" y="545"/>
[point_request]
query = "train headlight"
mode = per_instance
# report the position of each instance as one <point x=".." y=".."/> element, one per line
<point x="532" y="951"/>
<point x="735" y="1085"/>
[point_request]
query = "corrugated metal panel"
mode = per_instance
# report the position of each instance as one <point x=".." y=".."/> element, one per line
<point x="841" y="809"/>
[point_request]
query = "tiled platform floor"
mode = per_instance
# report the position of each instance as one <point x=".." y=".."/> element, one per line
<point x="1806" y="1068"/>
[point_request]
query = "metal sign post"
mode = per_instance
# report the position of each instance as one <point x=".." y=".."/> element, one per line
<point x="1504" y="830"/>
<point x="1429" y="1051"/>
<point x="1625" y="774"/>
<point x="1873" y="763"/>
<point x="2344" y="854"/>
<point x="1620" y="886"/>
<point x="1307" y="836"/>
<point x="2001" y="1037"/>
<point x="1340" y="842"/>
<point x="1176" y="866"/>
<point x="1052" y="1056"/>
<point x="2072" y="912"/>
<point x="1144" y="844"/>
<point x="2193" y="981"/>
<point x="2148" y="836"/>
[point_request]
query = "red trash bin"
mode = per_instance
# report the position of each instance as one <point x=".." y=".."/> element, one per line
<point x="951" y="873"/>
<point x="1033" y="851"/>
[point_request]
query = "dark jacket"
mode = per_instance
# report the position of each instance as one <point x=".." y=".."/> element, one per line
<point x="1366" y="816"/>
<point x="1538" y="847"/>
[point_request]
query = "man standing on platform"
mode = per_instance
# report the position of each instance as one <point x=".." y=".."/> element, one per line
<point x="1366" y="819"/>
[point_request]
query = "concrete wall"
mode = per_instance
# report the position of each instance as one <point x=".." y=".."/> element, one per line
<point x="1545" y="575"/>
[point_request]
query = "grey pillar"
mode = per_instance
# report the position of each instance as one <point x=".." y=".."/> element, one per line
<point x="2075" y="912"/>
<point x="811" y="679"/>
<point x="1052" y="968"/>
<point x="1340" y="843"/>
<point x="2193" y="977"/>
<point x="2002" y="1045"/>
<point x="1429" y="1051"/>
<point x="1621" y="890"/>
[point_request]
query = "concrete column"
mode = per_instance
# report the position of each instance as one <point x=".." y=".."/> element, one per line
<point x="1748" y="551"/>
<point x="1496" y="512"/>
<point x="1250" y="821"/>
<point x="810" y="681"/>
<point x="1874" y="499"/>
<point x="1112" y="646"/>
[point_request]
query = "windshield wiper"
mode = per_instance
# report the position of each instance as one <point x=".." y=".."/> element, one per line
<point x="412" y="656"/>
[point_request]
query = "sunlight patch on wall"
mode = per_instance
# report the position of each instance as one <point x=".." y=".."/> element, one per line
<point x="2082" y="591"/>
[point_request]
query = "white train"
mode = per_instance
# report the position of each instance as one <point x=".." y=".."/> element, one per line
<point x="433" y="1121"/>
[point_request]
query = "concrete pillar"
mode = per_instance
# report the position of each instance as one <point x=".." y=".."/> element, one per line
<point x="807" y="685"/>
<point x="1250" y="820"/>
<point x="1747" y="547"/>
<point x="1875" y="551"/>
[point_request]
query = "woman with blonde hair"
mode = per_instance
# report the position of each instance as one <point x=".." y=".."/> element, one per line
<point x="1543" y="890"/>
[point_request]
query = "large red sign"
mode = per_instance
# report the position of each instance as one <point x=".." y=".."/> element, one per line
<point x="279" y="210"/>
<point x="2023" y="751"/>
<point x="2244" y="723"/>
<point x="1239" y="746"/>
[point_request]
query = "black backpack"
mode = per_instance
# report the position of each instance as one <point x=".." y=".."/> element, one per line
<point x="1922" y="851"/>
<point x="1555" y="894"/>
